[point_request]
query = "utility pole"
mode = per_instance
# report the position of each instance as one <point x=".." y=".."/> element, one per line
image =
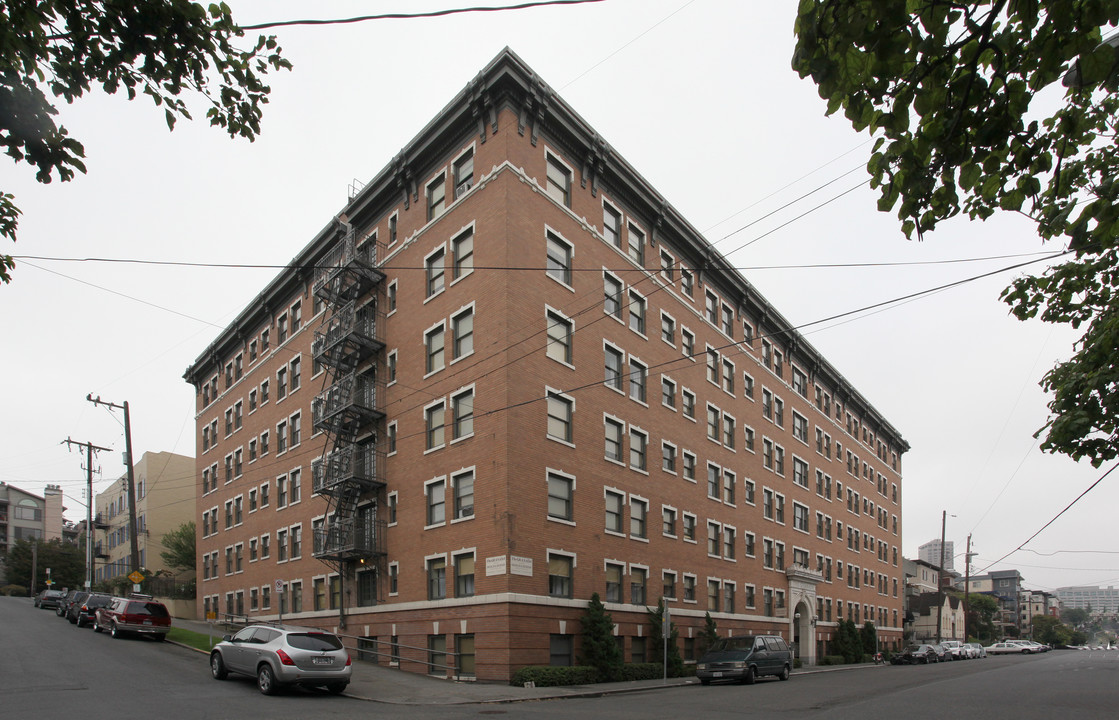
<point x="90" y="448"/>
<point x="940" y="579"/>
<point x="967" y="587"/>
<point x="133" y="541"/>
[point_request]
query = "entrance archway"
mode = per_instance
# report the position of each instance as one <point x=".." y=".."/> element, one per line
<point x="804" y="636"/>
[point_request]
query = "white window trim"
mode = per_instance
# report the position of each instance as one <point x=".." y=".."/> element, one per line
<point x="434" y="251"/>
<point x="549" y="391"/>
<point x="548" y="471"/>
<point x="429" y="406"/>
<point x="607" y="491"/>
<point x="548" y="309"/>
<point x="442" y="479"/>
<point x="442" y="324"/>
<point x="448" y="349"/>
<point x="551" y="233"/>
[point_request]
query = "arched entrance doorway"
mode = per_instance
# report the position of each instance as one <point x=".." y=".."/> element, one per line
<point x="804" y="637"/>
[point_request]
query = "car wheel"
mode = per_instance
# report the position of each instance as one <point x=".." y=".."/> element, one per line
<point x="116" y="632"/>
<point x="784" y="673"/>
<point x="750" y="676"/>
<point x="96" y="626"/>
<point x="266" y="679"/>
<point x="217" y="666"/>
<point x="336" y="688"/>
<point x="705" y="681"/>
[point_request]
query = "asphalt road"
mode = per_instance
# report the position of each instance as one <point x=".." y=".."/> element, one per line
<point x="48" y="668"/>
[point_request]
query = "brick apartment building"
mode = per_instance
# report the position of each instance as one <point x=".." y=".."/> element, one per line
<point x="509" y="375"/>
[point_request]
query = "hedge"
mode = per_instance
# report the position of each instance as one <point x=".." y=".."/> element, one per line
<point x="551" y="676"/>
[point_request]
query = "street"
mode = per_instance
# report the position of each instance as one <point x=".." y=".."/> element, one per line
<point x="49" y="668"/>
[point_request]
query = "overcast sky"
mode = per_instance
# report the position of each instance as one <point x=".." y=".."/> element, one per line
<point x="697" y="95"/>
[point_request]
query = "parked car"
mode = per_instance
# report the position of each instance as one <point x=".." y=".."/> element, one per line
<point x="744" y="658"/>
<point x="81" y="614"/>
<point x="49" y="598"/>
<point x="977" y="650"/>
<point x="914" y="655"/>
<point x="68" y="602"/>
<point x="135" y="614"/>
<point x="280" y="656"/>
<point x="957" y="649"/>
<point x="1030" y="646"/>
<point x="1005" y="648"/>
<point x="943" y="652"/>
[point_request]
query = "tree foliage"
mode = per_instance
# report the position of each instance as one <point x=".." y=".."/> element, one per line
<point x="948" y="90"/>
<point x="848" y="642"/>
<point x="61" y="49"/>
<point x="1050" y="630"/>
<point x="600" y="650"/>
<point x="180" y="548"/>
<point x="709" y="634"/>
<point x="66" y="561"/>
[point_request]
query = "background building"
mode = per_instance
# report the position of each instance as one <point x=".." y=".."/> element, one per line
<point x="930" y="553"/>
<point x="1103" y="601"/>
<point x="165" y="499"/>
<point x="24" y="515"/>
<point x="509" y="375"/>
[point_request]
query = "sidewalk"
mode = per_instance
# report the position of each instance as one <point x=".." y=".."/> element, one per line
<point x="395" y="687"/>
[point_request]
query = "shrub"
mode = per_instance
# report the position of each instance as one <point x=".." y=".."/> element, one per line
<point x="833" y="660"/>
<point x="797" y="664"/>
<point x="551" y="676"/>
<point x="16" y="590"/>
<point x="642" y="671"/>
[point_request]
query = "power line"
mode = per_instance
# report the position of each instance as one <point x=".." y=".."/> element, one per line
<point x="414" y="16"/>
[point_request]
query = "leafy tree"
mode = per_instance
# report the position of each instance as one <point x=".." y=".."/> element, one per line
<point x="948" y="88"/>
<point x="657" y="650"/>
<point x="66" y="561"/>
<point x="159" y="48"/>
<point x="600" y="649"/>
<point x="1074" y="617"/>
<point x="710" y="633"/>
<point x="1050" y="630"/>
<point x="868" y="637"/>
<point x="982" y="610"/>
<point x="180" y="548"/>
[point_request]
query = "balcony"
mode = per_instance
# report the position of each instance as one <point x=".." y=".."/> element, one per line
<point x="349" y="337"/>
<point x="347" y="405"/>
<point x="357" y="464"/>
<point x="350" y="540"/>
<point x="348" y="271"/>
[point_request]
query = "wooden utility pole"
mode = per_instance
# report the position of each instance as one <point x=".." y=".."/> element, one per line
<point x="90" y="448"/>
<point x="940" y="579"/>
<point x="133" y="541"/>
<point x="967" y="586"/>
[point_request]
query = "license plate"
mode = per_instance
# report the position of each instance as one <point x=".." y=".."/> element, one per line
<point x="322" y="661"/>
<point x="718" y="673"/>
<point x="147" y="622"/>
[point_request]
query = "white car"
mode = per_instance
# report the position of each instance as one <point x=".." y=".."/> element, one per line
<point x="1006" y="648"/>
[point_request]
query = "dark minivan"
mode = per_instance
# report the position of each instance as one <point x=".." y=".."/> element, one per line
<point x="744" y="658"/>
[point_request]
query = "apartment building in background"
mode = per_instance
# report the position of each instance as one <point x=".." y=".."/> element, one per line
<point x="930" y="553"/>
<point x="509" y="375"/>
<point x="165" y="500"/>
<point x="27" y="516"/>
<point x="1099" y="600"/>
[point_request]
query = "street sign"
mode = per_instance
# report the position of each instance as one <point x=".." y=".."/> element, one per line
<point x="279" y="586"/>
<point x="136" y="577"/>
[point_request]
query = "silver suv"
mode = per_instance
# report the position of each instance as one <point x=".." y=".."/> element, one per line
<point x="278" y="656"/>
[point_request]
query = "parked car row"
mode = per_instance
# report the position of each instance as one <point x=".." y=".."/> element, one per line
<point x="49" y="598"/>
<point x="119" y="616"/>
<point x="1017" y="647"/>
<point x="923" y="654"/>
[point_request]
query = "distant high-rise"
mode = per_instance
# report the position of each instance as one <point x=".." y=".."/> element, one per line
<point x="930" y="553"/>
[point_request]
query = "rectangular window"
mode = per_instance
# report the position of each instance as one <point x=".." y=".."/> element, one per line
<point x="463" y="485"/>
<point x="434" y="341"/>
<point x="560" y="410"/>
<point x="462" y="412"/>
<point x="668" y="521"/>
<point x="615" y="508"/>
<point x="436" y="493"/>
<point x="560" y="575"/>
<point x="434" y="420"/>
<point x="668" y="457"/>
<point x="437" y="197"/>
<point x="559" y="337"/>
<point x="560" y="496"/>
<point x="436" y="578"/>
<point x="688" y="403"/>
<point x="614" y="431"/>
<point x="689" y="466"/>
<point x="612" y="225"/>
<point x="613" y="365"/>
<point x="800" y="517"/>
<point x="637" y="377"/>
<point x="668" y="392"/>
<point x="637" y="305"/>
<point x="638" y="582"/>
<point x="636" y="249"/>
<point x="689" y="527"/>
<point x="464" y="173"/>
<point x="559" y="181"/>
<point x="433" y="265"/>
<point x="614" y="574"/>
<point x="638" y="449"/>
<point x="462" y="330"/>
<point x="464" y="575"/>
<point x="800" y="427"/>
<point x="668" y="329"/>
<point x="687" y="282"/>
<point x="687" y="343"/>
<point x="612" y="292"/>
<point x="559" y="259"/>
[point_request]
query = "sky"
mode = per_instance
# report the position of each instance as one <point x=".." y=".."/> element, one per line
<point x="697" y="95"/>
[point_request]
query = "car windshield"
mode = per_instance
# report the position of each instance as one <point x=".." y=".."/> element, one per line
<point x="315" y="642"/>
<point x="733" y="643"/>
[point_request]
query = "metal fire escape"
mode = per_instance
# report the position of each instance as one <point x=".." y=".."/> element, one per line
<point x="348" y="346"/>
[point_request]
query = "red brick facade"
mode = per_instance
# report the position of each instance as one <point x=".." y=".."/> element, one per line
<point x="541" y="524"/>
